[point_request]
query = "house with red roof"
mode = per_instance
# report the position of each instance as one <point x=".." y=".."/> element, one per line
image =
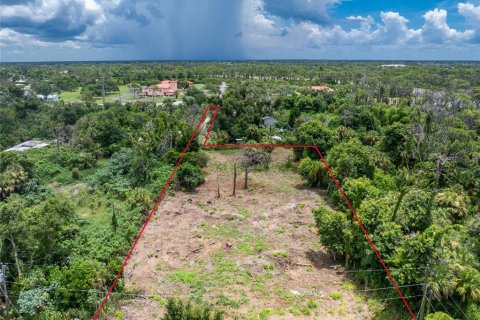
<point x="322" y="88"/>
<point x="166" y="88"/>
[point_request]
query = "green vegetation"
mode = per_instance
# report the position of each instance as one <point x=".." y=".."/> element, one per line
<point x="180" y="310"/>
<point x="408" y="162"/>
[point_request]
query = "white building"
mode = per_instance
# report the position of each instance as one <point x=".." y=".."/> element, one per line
<point x="32" y="144"/>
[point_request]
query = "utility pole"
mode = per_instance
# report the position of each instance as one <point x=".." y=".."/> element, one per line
<point x="4" y="289"/>
<point x="103" y="89"/>
<point x="421" y="313"/>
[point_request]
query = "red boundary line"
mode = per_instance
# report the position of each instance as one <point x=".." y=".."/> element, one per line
<point x="239" y="146"/>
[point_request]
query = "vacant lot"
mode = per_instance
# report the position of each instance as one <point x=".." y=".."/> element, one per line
<point x="255" y="255"/>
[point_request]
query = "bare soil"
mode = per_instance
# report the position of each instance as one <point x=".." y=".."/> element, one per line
<point x="255" y="255"/>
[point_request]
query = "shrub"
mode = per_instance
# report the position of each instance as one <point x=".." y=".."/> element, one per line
<point x="332" y="226"/>
<point x="189" y="176"/>
<point x="438" y="316"/>
<point x="335" y="295"/>
<point x="311" y="170"/>
<point x="180" y="310"/>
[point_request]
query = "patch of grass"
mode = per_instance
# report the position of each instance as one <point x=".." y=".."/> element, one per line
<point x="305" y="310"/>
<point x="295" y="311"/>
<point x="152" y="255"/>
<point x="119" y="314"/>
<point x="244" y="212"/>
<point x="226" y="272"/>
<point x="312" y="304"/>
<point x="268" y="266"/>
<point x="252" y="244"/>
<point x="226" y="301"/>
<point x="335" y="295"/>
<point x="264" y="314"/>
<point x="281" y="254"/>
<point x="161" y="266"/>
<point x="374" y="306"/>
<point x="187" y="277"/>
<point x="348" y="285"/>
<point x="301" y="205"/>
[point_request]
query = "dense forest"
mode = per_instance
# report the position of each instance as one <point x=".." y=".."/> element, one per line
<point x="403" y="142"/>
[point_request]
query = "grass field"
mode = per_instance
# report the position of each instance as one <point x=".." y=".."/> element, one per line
<point x="111" y="96"/>
<point x="69" y="96"/>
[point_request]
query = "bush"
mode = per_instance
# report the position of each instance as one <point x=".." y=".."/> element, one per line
<point x="438" y="316"/>
<point x="180" y="310"/>
<point x="311" y="170"/>
<point x="332" y="226"/>
<point x="189" y="176"/>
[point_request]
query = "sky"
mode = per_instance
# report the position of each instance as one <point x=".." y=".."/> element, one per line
<point x="83" y="30"/>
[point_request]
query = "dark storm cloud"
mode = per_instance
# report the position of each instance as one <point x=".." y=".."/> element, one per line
<point x="196" y="29"/>
<point x="301" y="10"/>
<point x="130" y="11"/>
<point x="49" y="20"/>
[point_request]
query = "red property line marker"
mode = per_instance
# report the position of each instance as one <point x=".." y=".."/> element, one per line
<point x="240" y="146"/>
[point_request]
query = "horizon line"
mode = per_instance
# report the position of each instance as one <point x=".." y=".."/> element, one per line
<point x="239" y="60"/>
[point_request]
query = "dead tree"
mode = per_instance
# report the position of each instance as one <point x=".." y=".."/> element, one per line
<point x="236" y="162"/>
<point x="253" y="158"/>
<point x="218" y="184"/>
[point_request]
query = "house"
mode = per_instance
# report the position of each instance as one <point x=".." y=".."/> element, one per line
<point x="393" y="66"/>
<point x="32" y="144"/>
<point x="50" y="97"/>
<point x="322" y="88"/>
<point x="419" y="91"/>
<point x="166" y="88"/>
<point x="269" y="122"/>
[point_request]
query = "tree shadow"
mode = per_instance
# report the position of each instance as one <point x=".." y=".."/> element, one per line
<point x="320" y="259"/>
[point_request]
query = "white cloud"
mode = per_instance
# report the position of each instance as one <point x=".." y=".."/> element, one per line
<point x="471" y="12"/>
<point x="436" y="29"/>
<point x="392" y="30"/>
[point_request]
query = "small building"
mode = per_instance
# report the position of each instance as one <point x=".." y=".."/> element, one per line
<point x="27" y="145"/>
<point x="322" y="88"/>
<point x="277" y="138"/>
<point x="419" y="91"/>
<point x="269" y="122"/>
<point x="50" y="97"/>
<point x="393" y="66"/>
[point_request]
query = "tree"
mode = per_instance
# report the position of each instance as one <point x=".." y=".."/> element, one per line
<point x="351" y="159"/>
<point x="253" y="158"/>
<point x="313" y="133"/>
<point x="114" y="219"/>
<point x="333" y="229"/>
<point x="189" y="176"/>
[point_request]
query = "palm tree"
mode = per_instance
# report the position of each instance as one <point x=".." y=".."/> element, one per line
<point x="468" y="286"/>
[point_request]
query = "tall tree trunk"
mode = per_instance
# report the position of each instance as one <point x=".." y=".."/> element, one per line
<point x="15" y="253"/>
<point x="218" y="184"/>
<point x="234" y="178"/>
<point x="403" y="192"/>
<point x="245" y="186"/>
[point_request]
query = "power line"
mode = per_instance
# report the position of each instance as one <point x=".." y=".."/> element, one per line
<point x="448" y="296"/>
<point x="408" y="297"/>
<point x="11" y="303"/>
<point x="431" y="305"/>
<point x="378" y="270"/>
<point x="385" y="288"/>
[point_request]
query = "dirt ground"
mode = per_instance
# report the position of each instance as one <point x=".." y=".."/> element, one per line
<point x="255" y="255"/>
